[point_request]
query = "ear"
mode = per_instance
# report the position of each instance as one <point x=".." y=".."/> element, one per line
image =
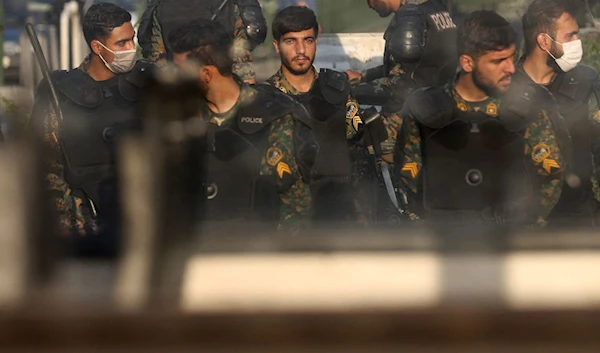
<point x="276" y="46"/>
<point x="467" y="64"/>
<point x="96" y="47"/>
<point x="544" y="41"/>
<point x="206" y="73"/>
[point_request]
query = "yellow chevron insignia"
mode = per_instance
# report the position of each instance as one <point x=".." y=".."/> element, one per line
<point x="412" y="168"/>
<point x="283" y="168"/>
<point x="356" y="122"/>
<point x="548" y="164"/>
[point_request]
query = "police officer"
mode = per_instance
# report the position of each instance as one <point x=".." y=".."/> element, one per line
<point x="261" y="142"/>
<point x="419" y="51"/>
<point x="97" y="102"/>
<point x="553" y="53"/>
<point x="326" y="95"/>
<point x="242" y="18"/>
<point x="460" y="152"/>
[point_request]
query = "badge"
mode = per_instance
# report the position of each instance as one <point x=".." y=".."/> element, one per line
<point x="411" y="168"/>
<point x="283" y="168"/>
<point x="351" y="110"/>
<point x="274" y="156"/>
<point x="491" y="109"/>
<point x="540" y="152"/>
<point x="462" y="106"/>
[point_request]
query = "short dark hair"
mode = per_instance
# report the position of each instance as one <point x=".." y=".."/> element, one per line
<point x="541" y="17"/>
<point x="101" y="19"/>
<point x="206" y="42"/>
<point x="294" y="19"/>
<point x="484" y="31"/>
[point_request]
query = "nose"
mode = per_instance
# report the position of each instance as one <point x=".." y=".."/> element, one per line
<point x="300" y="49"/>
<point x="510" y="66"/>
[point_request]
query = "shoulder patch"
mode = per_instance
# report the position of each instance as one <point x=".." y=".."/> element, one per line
<point x="351" y="109"/>
<point x="540" y="152"/>
<point x="274" y="156"/>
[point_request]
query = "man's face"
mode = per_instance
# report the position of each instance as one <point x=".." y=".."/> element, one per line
<point x="297" y="51"/>
<point x="492" y="71"/>
<point x="184" y="64"/>
<point x="382" y="7"/>
<point x="120" y="38"/>
<point x="566" y="30"/>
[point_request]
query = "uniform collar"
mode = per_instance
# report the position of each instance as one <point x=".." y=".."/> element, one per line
<point x="488" y="106"/>
<point x="219" y="118"/>
<point x="287" y="86"/>
<point x="521" y="69"/>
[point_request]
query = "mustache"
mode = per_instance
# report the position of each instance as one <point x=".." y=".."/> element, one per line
<point x="505" y="77"/>
<point x="304" y="57"/>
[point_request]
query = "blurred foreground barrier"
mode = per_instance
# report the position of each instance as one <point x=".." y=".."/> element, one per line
<point x="25" y="238"/>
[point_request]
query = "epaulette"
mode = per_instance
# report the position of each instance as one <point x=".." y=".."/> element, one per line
<point x="430" y="106"/>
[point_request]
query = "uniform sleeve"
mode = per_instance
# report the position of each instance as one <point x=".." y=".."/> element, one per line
<point x="242" y="59"/>
<point x="594" y="117"/>
<point x="408" y="150"/>
<point x="71" y="216"/>
<point x="393" y="125"/>
<point x="280" y="161"/>
<point x="542" y="149"/>
<point x="353" y="118"/>
<point x="158" y="51"/>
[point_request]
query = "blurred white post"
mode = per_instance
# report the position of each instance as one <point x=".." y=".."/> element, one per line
<point x="70" y="41"/>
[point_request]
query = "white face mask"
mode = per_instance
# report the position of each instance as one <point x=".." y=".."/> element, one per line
<point x="123" y="62"/>
<point x="573" y="52"/>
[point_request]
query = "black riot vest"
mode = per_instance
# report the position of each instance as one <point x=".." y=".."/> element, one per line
<point x="235" y="189"/>
<point x="326" y="104"/>
<point x="438" y="59"/>
<point x="474" y="168"/>
<point x="95" y="114"/>
<point x="572" y="92"/>
<point x="173" y="13"/>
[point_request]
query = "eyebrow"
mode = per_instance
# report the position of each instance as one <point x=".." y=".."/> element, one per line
<point x="301" y="38"/>
<point x="125" y="39"/>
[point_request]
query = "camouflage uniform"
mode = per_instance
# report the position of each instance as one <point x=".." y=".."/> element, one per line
<point x="295" y="203"/>
<point x="360" y="162"/>
<point x="594" y="118"/>
<point x="352" y="118"/>
<point x="75" y="216"/>
<point x="539" y="132"/>
<point x="242" y="59"/>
